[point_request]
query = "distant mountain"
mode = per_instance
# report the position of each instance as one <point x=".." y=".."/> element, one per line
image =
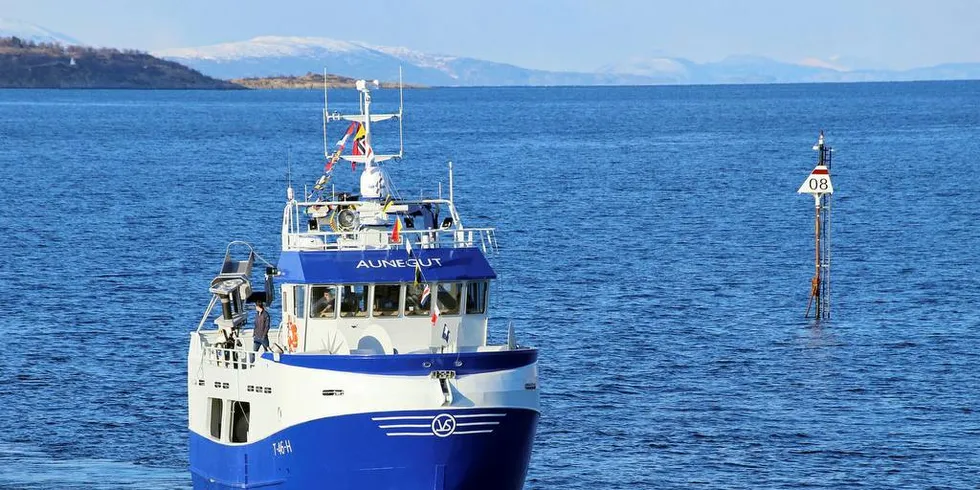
<point x="34" y="33"/>
<point x="282" y="56"/>
<point x="295" y="56"/>
<point x="659" y="69"/>
<point x="26" y="64"/>
<point x="758" y="69"/>
<point x="274" y="55"/>
<point x="946" y="71"/>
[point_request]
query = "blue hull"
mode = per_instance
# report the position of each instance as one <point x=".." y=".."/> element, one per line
<point x="374" y="452"/>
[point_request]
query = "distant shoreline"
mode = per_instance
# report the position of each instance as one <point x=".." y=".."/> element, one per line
<point x="310" y="81"/>
<point x="26" y="64"/>
<point x="240" y="88"/>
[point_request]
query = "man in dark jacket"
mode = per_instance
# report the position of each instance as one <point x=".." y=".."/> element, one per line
<point x="260" y="335"/>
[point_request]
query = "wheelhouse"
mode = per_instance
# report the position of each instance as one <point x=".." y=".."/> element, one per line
<point x="386" y="317"/>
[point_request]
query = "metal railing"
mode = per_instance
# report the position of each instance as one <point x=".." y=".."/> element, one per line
<point x="370" y="238"/>
<point x="237" y="358"/>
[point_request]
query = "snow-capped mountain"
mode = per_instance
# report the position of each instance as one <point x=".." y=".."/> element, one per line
<point x="265" y="47"/>
<point x="290" y="55"/>
<point x="280" y="55"/>
<point x="32" y="32"/>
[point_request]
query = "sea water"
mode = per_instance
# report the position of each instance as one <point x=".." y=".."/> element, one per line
<point x="652" y="244"/>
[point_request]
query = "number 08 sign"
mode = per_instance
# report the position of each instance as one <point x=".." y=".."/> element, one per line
<point x="818" y="182"/>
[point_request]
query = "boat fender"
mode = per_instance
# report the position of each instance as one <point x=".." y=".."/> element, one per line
<point x="293" y="339"/>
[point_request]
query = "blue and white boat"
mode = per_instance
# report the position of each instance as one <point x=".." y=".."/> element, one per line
<point x="379" y="374"/>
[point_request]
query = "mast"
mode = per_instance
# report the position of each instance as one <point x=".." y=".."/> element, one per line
<point x="372" y="181"/>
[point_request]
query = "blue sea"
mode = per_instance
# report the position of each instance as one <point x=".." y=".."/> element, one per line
<point x="653" y="246"/>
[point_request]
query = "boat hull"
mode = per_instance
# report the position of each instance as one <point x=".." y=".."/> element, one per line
<point x="457" y="449"/>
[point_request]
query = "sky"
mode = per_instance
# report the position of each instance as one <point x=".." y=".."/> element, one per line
<point x="553" y="35"/>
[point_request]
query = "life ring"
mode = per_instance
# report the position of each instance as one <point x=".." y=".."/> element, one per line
<point x="293" y="338"/>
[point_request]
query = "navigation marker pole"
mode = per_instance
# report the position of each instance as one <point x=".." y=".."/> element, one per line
<point x="818" y="184"/>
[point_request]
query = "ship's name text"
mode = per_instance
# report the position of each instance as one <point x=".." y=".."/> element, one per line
<point x="382" y="264"/>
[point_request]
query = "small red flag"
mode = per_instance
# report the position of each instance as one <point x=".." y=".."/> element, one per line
<point x="435" y="314"/>
<point x="396" y="231"/>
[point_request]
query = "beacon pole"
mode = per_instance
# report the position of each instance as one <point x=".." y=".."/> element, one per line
<point x="818" y="184"/>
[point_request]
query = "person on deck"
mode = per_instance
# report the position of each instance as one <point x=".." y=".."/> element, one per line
<point x="325" y="305"/>
<point x="260" y="335"/>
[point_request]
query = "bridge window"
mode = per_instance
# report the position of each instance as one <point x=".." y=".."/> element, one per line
<point x="476" y="298"/>
<point x="386" y="299"/>
<point x="354" y="301"/>
<point x="416" y="300"/>
<point x="299" y="301"/>
<point x="449" y="296"/>
<point x="324" y="300"/>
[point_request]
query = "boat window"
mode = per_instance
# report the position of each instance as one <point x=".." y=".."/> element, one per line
<point x="416" y="300"/>
<point x="299" y="301"/>
<point x="215" y="416"/>
<point x="449" y="295"/>
<point x="239" y="421"/>
<point x="386" y="299"/>
<point x="354" y="301"/>
<point x="476" y="298"/>
<point x="324" y="302"/>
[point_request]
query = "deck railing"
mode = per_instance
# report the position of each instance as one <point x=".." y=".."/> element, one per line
<point x="378" y="239"/>
<point x="237" y="358"/>
<point x="375" y="229"/>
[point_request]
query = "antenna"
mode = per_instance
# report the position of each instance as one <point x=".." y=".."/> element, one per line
<point x="450" y="181"/>
<point x="401" y="107"/>
<point x="326" y="150"/>
<point x="289" y="175"/>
